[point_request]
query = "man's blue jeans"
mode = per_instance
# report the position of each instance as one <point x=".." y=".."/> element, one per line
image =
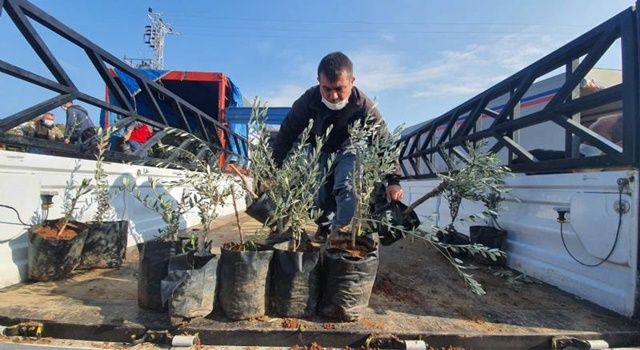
<point x="336" y="198"/>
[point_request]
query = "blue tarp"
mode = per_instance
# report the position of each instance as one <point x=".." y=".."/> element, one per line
<point x="238" y="118"/>
<point x="201" y="94"/>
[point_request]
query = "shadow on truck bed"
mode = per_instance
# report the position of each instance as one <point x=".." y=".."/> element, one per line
<point x="417" y="293"/>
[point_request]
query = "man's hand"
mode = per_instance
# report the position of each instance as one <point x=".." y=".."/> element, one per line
<point x="394" y="193"/>
<point x="67" y="141"/>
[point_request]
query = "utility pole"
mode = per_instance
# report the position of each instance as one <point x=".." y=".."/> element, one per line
<point x="154" y="37"/>
<point x="154" y="34"/>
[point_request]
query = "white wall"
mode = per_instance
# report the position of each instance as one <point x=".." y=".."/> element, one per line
<point x="23" y="176"/>
<point x="534" y="245"/>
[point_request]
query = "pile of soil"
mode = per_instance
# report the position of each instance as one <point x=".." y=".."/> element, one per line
<point x="290" y="323"/>
<point x="359" y="250"/>
<point x="49" y="230"/>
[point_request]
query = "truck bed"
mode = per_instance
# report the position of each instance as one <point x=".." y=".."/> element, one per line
<point x="417" y="295"/>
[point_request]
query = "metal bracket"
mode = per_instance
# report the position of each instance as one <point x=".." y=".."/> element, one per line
<point x="151" y="336"/>
<point x="621" y="206"/>
<point x="24" y="329"/>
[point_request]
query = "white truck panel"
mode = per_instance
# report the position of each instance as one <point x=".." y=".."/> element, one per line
<point x="534" y="244"/>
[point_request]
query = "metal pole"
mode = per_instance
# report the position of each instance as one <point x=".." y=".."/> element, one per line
<point x="572" y="142"/>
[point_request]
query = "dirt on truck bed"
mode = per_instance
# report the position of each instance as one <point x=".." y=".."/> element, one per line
<point x="416" y="294"/>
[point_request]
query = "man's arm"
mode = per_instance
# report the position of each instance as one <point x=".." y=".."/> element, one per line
<point x="292" y="126"/>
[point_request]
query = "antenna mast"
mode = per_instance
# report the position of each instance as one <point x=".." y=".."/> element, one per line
<point x="154" y="37"/>
<point x="154" y="34"/>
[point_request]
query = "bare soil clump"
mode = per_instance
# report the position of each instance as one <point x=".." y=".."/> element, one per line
<point x="49" y="230"/>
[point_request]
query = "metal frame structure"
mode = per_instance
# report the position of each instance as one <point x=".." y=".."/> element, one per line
<point x="22" y="11"/>
<point x="422" y="146"/>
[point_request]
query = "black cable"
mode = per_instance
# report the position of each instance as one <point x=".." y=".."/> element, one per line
<point x="17" y="214"/>
<point x="614" y="242"/>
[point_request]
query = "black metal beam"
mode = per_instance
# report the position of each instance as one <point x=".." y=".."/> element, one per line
<point x="430" y="166"/>
<point x="206" y="131"/>
<point x="608" y="147"/>
<point x="427" y="141"/>
<point x="114" y="88"/>
<point x="14" y="10"/>
<point x="515" y="98"/>
<point x="152" y="141"/>
<point x="33" y="78"/>
<point x="148" y="94"/>
<point x="522" y="153"/>
<point x="66" y="32"/>
<point x="180" y="112"/>
<point x="452" y="121"/>
<point x="472" y="118"/>
<point x="596" y="99"/>
<point x="182" y="146"/>
<point x="460" y="156"/>
<point x="27" y="114"/>
<point x="491" y="113"/>
<point x="595" y="53"/>
<point x="631" y="92"/>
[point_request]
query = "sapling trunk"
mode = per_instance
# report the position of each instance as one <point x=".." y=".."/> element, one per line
<point x="357" y="182"/>
<point x="235" y="210"/>
<point x="68" y="215"/>
<point x="434" y="192"/>
<point x="245" y="182"/>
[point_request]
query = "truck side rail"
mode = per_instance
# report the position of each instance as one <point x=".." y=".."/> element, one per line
<point x="230" y="145"/>
<point x="445" y="138"/>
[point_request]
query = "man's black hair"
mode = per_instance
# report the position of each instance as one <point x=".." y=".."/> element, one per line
<point x="333" y="64"/>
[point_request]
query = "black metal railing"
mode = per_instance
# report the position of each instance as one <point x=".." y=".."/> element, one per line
<point x="231" y="146"/>
<point x="437" y="142"/>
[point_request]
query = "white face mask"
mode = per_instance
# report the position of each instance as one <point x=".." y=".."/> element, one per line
<point x="48" y="122"/>
<point x="335" y="106"/>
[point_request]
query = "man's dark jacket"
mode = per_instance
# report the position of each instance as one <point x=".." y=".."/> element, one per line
<point x="310" y="106"/>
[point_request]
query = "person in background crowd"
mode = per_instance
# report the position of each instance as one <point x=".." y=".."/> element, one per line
<point x="43" y="128"/>
<point x="137" y="134"/>
<point x="77" y="122"/>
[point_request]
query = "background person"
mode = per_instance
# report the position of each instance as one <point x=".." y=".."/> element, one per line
<point x="77" y="122"/>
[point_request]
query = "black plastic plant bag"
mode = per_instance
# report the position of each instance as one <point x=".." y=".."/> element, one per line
<point x="190" y="285"/>
<point x="348" y="280"/>
<point x="54" y="259"/>
<point x="243" y="289"/>
<point x="261" y="209"/>
<point x="295" y="282"/>
<point x="153" y="267"/>
<point x="490" y="237"/>
<point x="106" y="245"/>
<point x="393" y="213"/>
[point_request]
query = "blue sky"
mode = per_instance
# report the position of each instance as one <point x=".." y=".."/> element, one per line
<point x="418" y="58"/>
